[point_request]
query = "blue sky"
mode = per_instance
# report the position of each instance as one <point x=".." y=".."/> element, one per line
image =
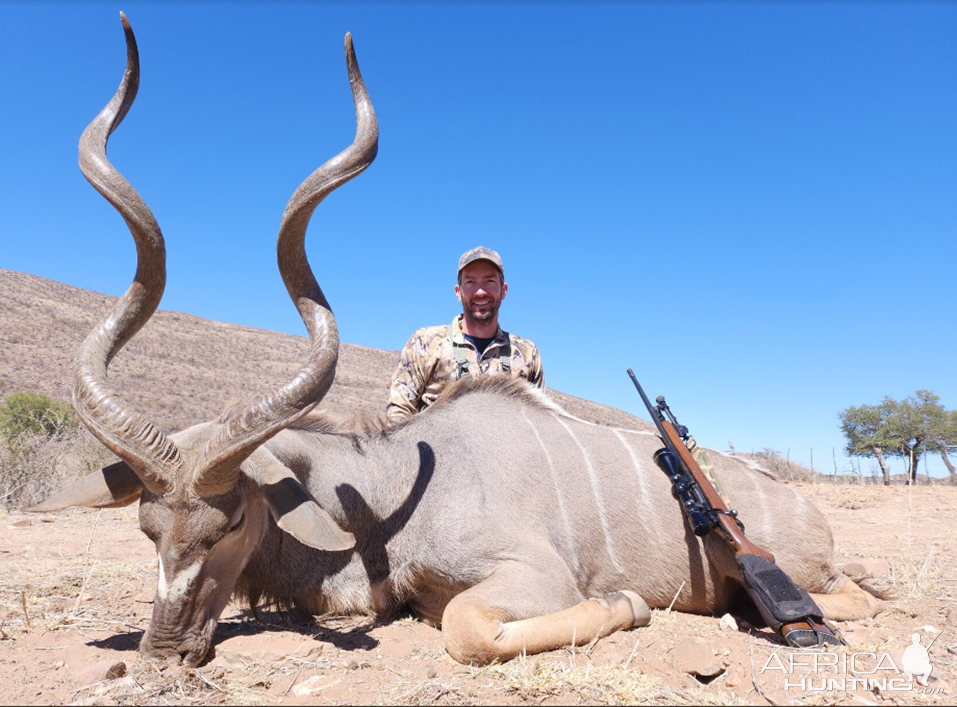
<point x="750" y="204"/>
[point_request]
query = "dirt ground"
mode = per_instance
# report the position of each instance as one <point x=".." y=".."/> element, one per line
<point x="76" y="591"/>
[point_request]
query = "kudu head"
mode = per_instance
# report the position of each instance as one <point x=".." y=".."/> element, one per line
<point x="206" y="494"/>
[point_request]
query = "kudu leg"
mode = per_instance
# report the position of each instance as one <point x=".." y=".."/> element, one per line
<point x="848" y="602"/>
<point x="480" y="626"/>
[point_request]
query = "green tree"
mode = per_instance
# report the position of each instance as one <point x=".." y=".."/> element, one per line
<point x="914" y="422"/>
<point x="23" y="414"/>
<point x="943" y="436"/>
<point x="868" y="434"/>
<point x="906" y="429"/>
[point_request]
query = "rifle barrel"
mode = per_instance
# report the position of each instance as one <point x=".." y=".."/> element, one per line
<point x="652" y="410"/>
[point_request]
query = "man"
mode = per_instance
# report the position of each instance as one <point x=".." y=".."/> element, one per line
<point x="472" y="345"/>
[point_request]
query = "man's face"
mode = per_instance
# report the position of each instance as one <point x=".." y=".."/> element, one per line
<point x="481" y="291"/>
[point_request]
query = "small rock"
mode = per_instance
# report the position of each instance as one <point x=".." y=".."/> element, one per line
<point x="727" y="621"/>
<point x="695" y="656"/>
<point x="96" y="672"/>
<point x="353" y="665"/>
<point x="868" y="567"/>
<point x="117" y="670"/>
<point x="432" y="672"/>
<point x="23" y="523"/>
<point x="734" y="677"/>
<point x="145" y="597"/>
<point x="929" y="629"/>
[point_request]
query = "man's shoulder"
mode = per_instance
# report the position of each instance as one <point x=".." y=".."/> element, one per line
<point x="428" y="339"/>
<point x="431" y="332"/>
<point x="521" y="342"/>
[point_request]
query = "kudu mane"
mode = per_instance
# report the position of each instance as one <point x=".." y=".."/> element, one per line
<point x="364" y="425"/>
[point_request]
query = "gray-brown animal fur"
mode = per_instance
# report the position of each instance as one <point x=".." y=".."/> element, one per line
<point x="495" y="514"/>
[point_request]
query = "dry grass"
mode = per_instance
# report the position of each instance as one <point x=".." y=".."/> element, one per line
<point x="38" y="465"/>
<point x="786" y="469"/>
<point x="65" y="593"/>
<point x="590" y="684"/>
<point x="781" y="467"/>
<point x="54" y="590"/>
<point x="152" y="683"/>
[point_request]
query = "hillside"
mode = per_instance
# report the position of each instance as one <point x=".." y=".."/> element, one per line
<point x="182" y="369"/>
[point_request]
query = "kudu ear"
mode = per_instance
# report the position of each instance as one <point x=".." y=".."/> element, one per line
<point x="293" y="508"/>
<point x="111" y="487"/>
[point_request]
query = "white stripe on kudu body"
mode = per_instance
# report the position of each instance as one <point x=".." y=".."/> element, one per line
<point x="643" y="502"/>
<point x="609" y="544"/>
<point x="558" y="493"/>
<point x="765" y="515"/>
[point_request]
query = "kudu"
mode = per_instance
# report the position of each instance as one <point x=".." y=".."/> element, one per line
<point x="513" y="525"/>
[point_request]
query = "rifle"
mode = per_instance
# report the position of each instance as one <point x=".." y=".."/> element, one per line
<point x="786" y="608"/>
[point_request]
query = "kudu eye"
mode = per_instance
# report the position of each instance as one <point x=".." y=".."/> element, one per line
<point x="237" y="519"/>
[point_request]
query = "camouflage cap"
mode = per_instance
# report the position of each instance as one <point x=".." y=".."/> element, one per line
<point x="481" y="253"/>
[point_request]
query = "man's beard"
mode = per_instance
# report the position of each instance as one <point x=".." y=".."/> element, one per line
<point x="481" y="318"/>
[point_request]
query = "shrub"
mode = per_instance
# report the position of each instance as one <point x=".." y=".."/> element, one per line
<point x="34" y="413"/>
<point x="42" y="447"/>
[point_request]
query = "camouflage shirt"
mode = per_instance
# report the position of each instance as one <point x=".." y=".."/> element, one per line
<point x="431" y="360"/>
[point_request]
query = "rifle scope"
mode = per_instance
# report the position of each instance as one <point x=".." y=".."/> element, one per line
<point x="683" y="489"/>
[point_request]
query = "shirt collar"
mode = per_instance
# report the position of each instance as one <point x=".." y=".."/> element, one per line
<point x="459" y="337"/>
